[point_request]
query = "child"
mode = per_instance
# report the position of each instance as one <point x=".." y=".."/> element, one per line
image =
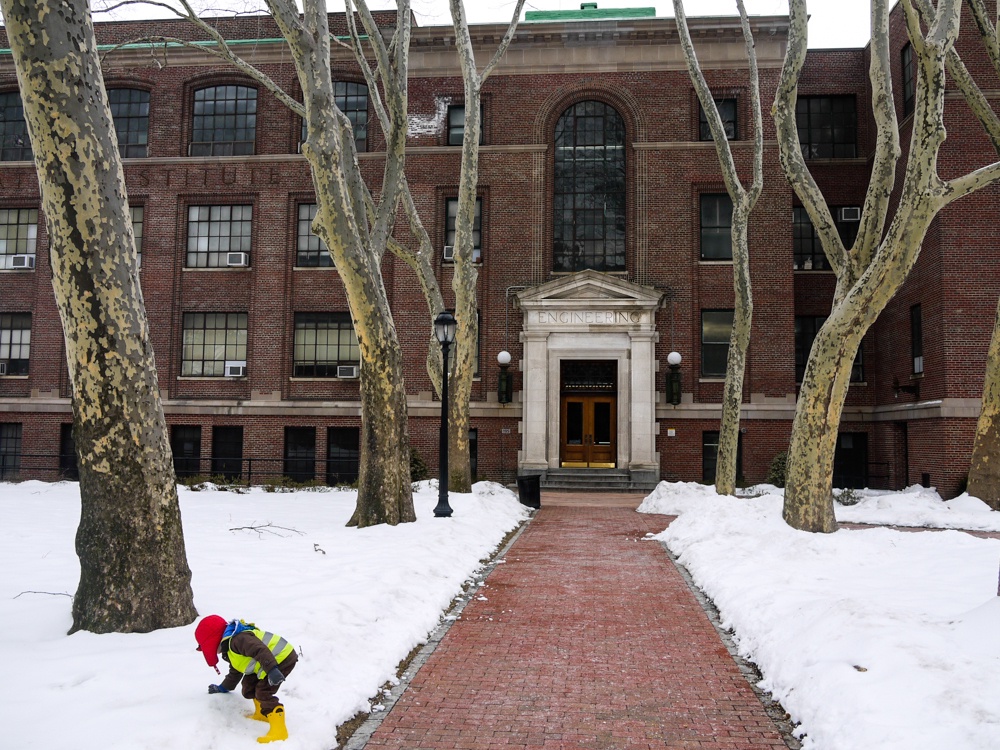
<point x="263" y="660"/>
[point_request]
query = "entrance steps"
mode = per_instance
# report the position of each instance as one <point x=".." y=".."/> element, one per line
<point x="594" y="480"/>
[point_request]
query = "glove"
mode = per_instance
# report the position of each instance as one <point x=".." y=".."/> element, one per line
<point x="274" y="677"/>
<point x="213" y="689"/>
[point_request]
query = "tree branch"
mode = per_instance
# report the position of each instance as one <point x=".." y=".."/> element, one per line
<point x="504" y="43"/>
<point x="790" y="150"/>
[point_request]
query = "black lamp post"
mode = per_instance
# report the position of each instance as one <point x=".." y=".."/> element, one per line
<point x="444" y="330"/>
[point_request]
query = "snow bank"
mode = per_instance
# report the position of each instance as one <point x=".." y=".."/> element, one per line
<point x="354" y="602"/>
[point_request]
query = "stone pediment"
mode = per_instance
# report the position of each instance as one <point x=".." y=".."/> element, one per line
<point x="589" y="289"/>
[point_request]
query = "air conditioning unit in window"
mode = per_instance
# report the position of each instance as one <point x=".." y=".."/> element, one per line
<point x="347" y="371"/>
<point x="236" y="368"/>
<point x="22" y="261"/>
<point x="237" y="260"/>
<point x="3" y="368"/>
<point x="449" y="252"/>
<point x="850" y="213"/>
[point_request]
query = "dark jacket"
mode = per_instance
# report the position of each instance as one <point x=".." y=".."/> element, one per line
<point x="247" y="644"/>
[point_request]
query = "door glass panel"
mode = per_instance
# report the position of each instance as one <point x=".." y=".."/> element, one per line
<point x="602" y="423"/>
<point x="574" y="423"/>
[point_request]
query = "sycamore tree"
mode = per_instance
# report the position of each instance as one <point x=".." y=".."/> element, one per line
<point x="358" y="228"/>
<point x="743" y="203"/>
<point x="984" y="473"/>
<point x="134" y="575"/>
<point x="887" y="247"/>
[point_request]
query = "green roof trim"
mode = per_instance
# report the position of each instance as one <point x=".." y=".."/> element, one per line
<point x="588" y="14"/>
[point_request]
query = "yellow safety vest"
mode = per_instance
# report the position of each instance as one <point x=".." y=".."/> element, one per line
<point x="248" y="665"/>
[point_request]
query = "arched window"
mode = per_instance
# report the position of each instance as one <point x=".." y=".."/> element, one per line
<point x="130" y="111"/>
<point x="589" y="201"/>
<point x="224" y="121"/>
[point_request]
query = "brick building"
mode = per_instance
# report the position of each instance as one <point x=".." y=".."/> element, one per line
<point x="603" y="244"/>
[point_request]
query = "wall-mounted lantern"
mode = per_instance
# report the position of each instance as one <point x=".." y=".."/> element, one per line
<point x="505" y="380"/>
<point x="674" y="378"/>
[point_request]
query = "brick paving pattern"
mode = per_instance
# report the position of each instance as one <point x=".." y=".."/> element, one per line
<point x="586" y="637"/>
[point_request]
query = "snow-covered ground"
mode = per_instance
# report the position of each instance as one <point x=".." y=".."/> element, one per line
<point x="870" y="638"/>
<point x="354" y="602"/>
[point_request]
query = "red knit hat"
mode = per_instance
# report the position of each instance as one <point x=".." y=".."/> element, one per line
<point x="209" y="635"/>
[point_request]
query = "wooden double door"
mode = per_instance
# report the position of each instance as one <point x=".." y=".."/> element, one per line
<point x="588" y="431"/>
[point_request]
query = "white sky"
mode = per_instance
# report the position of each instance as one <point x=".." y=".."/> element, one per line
<point x="833" y="23"/>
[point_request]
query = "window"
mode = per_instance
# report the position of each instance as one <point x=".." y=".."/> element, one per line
<point x="18" y="233"/>
<point x="806" y="327"/>
<point x="456" y="124"/>
<point x="67" y="453"/>
<point x="210" y="340"/>
<point x="474" y="453"/>
<point x="710" y="456"/>
<point x="589" y="198"/>
<point x="15" y="342"/>
<point x="352" y="100"/>
<point x="909" y="79"/>
<point x="137" y="213"/>
<point x="300" y="454"/>
<point x="225" y="121"/>
<point x="827" y="126"/>
<point x="716" y="329"/>
<point x="716" y="226"/>
<point x="917" y="339"/>
<point x="185" y="443"/>
<point x="343" y="455"/>
<point x="10" y="449"/>
<point x="227" y="452"/>
<point x="14" y="142"/>
<point x="216" y="231"/>
<point x="727" y="111"/>
<point x="807" y="251"/>
<point x="312" y="251"/>
<point x="451" y="210"/>
<point x="322" y="342"/>
<point x="130" y="112"/>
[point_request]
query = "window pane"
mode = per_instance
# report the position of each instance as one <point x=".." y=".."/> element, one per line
<point x="14" y="142"/>
<point x="589" y="197"/>
<point x="215" y="231"/>
<point x="224" y="121"/>
<point x="716" y="328"/>
<point x="130" y="112"/>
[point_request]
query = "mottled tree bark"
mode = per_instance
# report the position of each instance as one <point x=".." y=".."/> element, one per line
<point x="870" y="274"/>
<point x="134" y="574"/>
<point x="357" y="241"/>
<point x="984" y="472"/>
<point x="743" y="204"/>
<point x="465" y="276"/>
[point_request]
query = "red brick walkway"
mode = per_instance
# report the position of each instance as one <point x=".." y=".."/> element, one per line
<point x="587" y="638"/>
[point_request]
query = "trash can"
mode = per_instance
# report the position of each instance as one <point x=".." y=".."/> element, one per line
<point x="529" y="490"/>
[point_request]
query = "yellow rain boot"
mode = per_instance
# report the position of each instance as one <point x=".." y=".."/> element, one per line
<point x="277" y="731"/>
<point x="256" y="715"/>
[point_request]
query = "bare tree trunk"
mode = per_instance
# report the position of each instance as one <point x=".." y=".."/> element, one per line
<point x="743" y="204"/>
<point x="465" y="276"/>
<point x="357" y="244"/>
<point x="134" y="572"/>
<point x="870" y="274"/>
<point x="984" y="473"/>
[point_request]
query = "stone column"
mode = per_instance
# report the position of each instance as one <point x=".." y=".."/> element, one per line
<point x="533" y="456"/>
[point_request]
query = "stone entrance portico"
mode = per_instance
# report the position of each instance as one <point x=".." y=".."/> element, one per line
<point x="590" y="316"/>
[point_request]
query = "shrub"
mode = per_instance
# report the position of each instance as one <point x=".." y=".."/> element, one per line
<point x="776" y="474"/>
<point x="418" y="467"/>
